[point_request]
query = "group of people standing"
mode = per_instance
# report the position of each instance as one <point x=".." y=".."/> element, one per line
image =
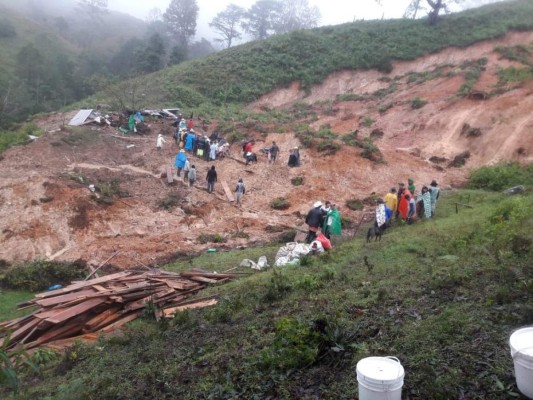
<point x="323" y="218"/>
<point x="406" y="204"/>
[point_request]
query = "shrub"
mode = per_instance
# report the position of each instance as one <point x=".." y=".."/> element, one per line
<point x="297" y="180"/>
<point x="277" y="286"/>
<point x="170" y="201"/>
<point x="417" y="103"/>
<point x="367" y="122"/>
<point x="39" y="275"/>
<point x="108" y="191"/>
<point x="385" y="107"/>
<point x="354" y="204"/>
<point x="328" y="146"/>
<point x="460" y="159"/>
<point x="351" y="138"/>
<point x="370" y="150"/>
<point x="280" y="203"/>
<point x="295" y="345"/>
<point x="325" y="132"/>
<point x="469" y="131"/>
<point x="500" y="177"/>
<point x="211" y="238"/>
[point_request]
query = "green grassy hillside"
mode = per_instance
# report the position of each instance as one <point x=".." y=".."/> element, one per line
<point x="441" y="295"/>
<point x="243" y="73"/>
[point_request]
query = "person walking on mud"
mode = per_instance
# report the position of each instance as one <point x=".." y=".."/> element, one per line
<point x="160" y="141"/>
<point x="211" y="179"/>
<point x="239" y="191"/>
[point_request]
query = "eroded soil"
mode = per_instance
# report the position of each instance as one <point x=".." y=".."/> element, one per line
<point x="48" y="211"/>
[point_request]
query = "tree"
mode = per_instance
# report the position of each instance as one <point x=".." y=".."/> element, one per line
<point x="154" y="15"/>
<point x="200" y="48"/>
<point x="181" y="17"/>
<point x="94" y="8"/>
<point x="226" y="24"/>
<point x="435" y="7"/>
<point x="261" y="18"/>
<point x="296" y="15"/>
<point x="150" y="59"/>
<point x="178" y="54"/>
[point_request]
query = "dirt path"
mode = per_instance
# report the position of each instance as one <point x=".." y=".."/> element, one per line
<point x="118" y="168"/>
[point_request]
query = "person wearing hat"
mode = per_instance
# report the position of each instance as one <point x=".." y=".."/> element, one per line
<point x="411" y="186"/>
<point x="239" y="191"/>
<point x="160" y="141"/>
<point x="434" y="195"/>
<point x="180" y="160"/>
<point x="314" y="220"/>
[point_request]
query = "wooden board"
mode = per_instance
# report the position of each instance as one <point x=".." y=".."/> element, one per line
<point x="52" y="301"/>
<point x="76" y="310"/>
<point x="82" y="284"/>
<point x="171" y="312"/>
<point x="228" y="192"/>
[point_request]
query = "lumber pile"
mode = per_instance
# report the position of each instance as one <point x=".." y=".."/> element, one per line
<point x="103" y="304"/>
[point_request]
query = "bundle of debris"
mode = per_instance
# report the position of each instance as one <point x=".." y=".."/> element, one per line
<point x="90" y="116"/>
<point x="84" y="308"/>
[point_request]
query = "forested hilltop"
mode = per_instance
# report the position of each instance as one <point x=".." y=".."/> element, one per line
<point x="243" y="73"/>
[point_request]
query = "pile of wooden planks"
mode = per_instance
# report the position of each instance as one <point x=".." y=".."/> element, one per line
<point x="106" y="303"/>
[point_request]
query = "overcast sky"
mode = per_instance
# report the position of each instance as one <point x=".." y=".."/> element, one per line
<point x="333" y="12"/>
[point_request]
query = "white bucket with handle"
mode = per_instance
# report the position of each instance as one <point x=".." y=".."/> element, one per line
<point x="521" y="343"/>
<point x="380" y="378"/>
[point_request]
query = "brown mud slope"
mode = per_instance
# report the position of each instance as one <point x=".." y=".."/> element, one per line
<point x="48" y="211"/>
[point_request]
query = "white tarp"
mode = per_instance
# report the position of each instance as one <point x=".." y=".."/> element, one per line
<point x="80" y="117"/>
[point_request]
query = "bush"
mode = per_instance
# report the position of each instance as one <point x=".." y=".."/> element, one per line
<point x="211" y="238"/>
<point x="280" y="203"/>
<point x="351" y="138"/>
<point x="370" y="150"/>
<point x="460" y="159"/>
<point x="39" y="275"/>
<point x="500" y="177"/>
<point x="169" y="202"/>
<point x="328" y="146"/>
<point x="354" y="204"/>
<point x="367" y="122"/>
<point x="297" y="180"/>
<point x="417" y="103"/>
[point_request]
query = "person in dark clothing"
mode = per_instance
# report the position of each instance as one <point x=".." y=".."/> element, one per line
<point x="251" y="158"/>
<point x="207" y="148"/>
<point x="315" y="218"/>
<point x="297" y="154"/>
<point x="274" y="150"/>
<point x="293" y="161"/>
<point x="211" y="179"/>
<point x="200" y="144"/>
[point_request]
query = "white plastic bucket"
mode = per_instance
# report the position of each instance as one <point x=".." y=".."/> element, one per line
<point x="380" y="378"/>
<point x="521" y="343"/>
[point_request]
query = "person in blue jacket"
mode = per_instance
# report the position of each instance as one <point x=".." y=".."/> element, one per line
<point x="179" y="163"/>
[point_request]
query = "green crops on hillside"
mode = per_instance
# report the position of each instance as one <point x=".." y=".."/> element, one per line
<point x="243" y="73"/>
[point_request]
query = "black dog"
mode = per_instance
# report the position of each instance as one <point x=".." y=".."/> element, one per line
<point x="374" y="232"/>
